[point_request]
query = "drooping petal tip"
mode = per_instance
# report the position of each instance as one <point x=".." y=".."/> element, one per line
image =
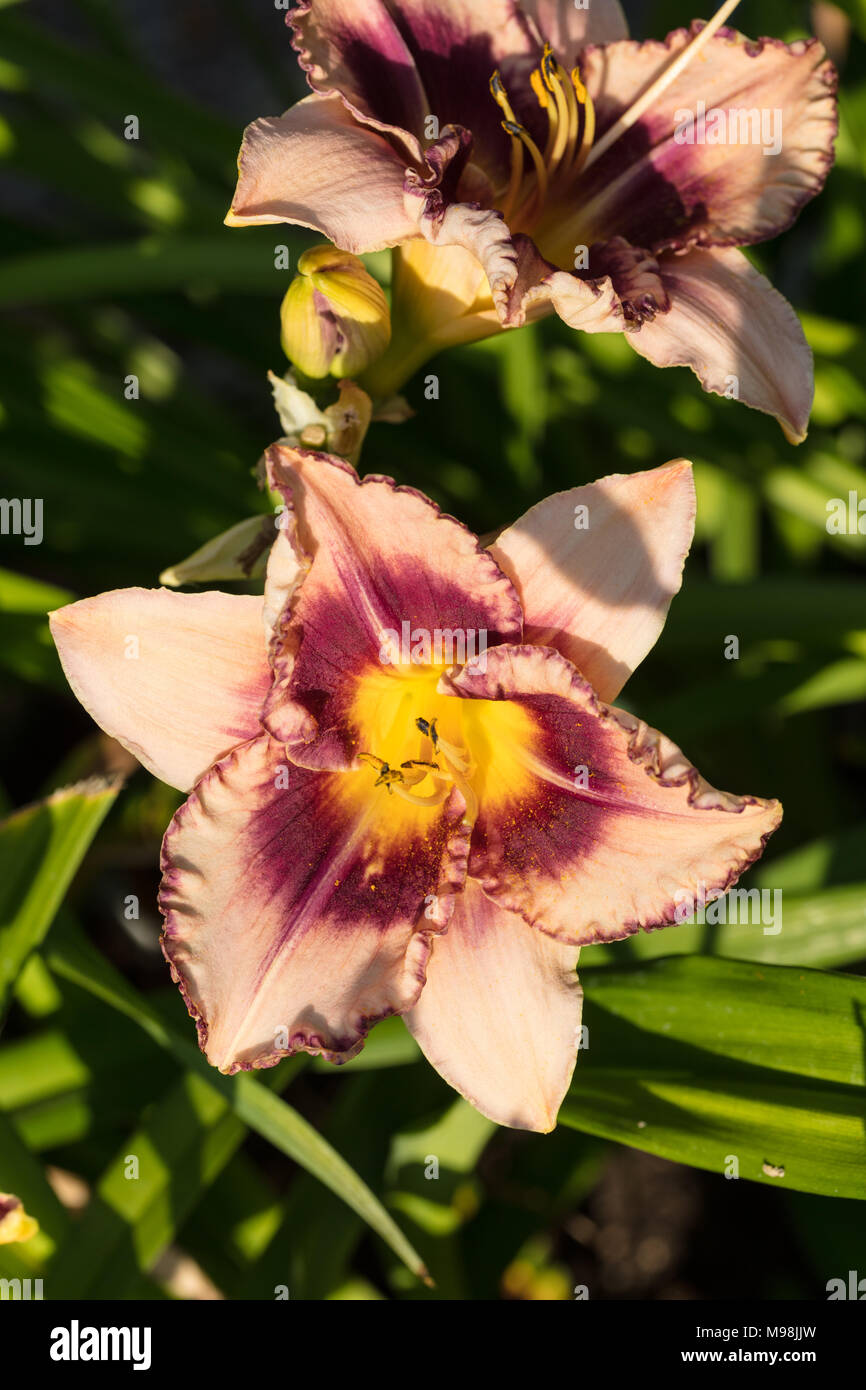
<point x="499" y="1016"/>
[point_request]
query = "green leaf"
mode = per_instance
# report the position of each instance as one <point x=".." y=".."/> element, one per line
<point x="818" y="611"/>
<point x="138" y="1208"/>
<point x="699" y="1060"/>
<point x="41" y="848"/>
<point x="26" y="648"/>
<point x="842" y="683"/>
<point x="287" y="1131"/>
<point x="390" y="1044"/>
<point x="230" y="260"/>
<point x="824" y="930"/>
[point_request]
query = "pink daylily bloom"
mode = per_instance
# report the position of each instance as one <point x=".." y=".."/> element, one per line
<point x="559" y="174"/>
<point x="409" y="791"/>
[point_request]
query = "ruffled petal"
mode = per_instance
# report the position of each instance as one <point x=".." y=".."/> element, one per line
<point x="178" y="679"/>
<point x="499" y="1016"/>
<point x="399" y="62"/>
<point x="317" y="167"/>
<point x="383" y="560"/>
<point x="608" y="827"/>
<point x="636" y="278"/>
<point x="740" y="337"/>
<point x="658" y="192"/>
<point x="568" y="27"/>
<point x="596" y="568"/>
<point x="294" y="906"/>
<point x="591" y="304"/>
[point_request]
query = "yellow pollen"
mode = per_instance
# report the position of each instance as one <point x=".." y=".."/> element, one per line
<point x="539" y="89"/>
<point x="586" y="105"/>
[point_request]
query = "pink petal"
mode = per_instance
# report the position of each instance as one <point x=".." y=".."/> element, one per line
<point x="317" y="167"/>
<point x="380" y="556"/>
<point x="400" y="62"/>
<point x="740" y="337"/>
<point x="567" y="28"/>
<point x="178" y="679"/>
<point x="290" y="907"/>
<point x="499" y="1016"/>
<point x="600" y="593"/>
<point x="607" y="828"/>
<point x="658" y="192"/>
<point x="360" y="52"/>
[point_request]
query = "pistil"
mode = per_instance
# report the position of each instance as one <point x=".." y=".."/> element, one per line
<point x="682" y="60"/>
<point x="458" y="763"/>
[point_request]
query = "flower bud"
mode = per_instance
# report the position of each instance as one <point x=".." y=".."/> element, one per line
<point x="15" y="1224"/>
<point x="335" y="317"/>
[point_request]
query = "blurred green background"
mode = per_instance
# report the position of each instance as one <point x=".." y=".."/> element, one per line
<point x="116" y="262"/>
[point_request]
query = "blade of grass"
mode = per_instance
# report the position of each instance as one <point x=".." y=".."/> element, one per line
<point x="41" y="848"/>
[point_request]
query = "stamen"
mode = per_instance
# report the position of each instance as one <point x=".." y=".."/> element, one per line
<point x="519" y="133"/>
<point x="455" y="757"/>
<point x="428" y="729"/>
<point x="587" y="106"/>
<point x="399" y="779"/>
<point x="553" y="75"/>
<point x="541" y="96"/>
<point x="388" y="776"/>
<point x="575" y="107"/>
<point x="458" y="765"/>
<point x="662" y="82"/>
<point x="515" y="180"/>
<point x="416" y="770"/>
<point x="500" y="96"/>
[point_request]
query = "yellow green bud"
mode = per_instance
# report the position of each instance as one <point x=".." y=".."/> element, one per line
<point x="15" y="1224"/>
<point x="335" y="317"/>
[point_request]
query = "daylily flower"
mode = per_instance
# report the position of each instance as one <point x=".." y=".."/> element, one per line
<point x="374" y="831"/>
<point x="558" y="178"/>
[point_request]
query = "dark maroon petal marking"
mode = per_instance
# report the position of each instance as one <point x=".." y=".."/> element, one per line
<point x="400" y="62"/>
<point x="616" y="827"/>
<point x="381" y="555"/>
<point x="661" y="194"/>
<point x="635" y="275"/>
